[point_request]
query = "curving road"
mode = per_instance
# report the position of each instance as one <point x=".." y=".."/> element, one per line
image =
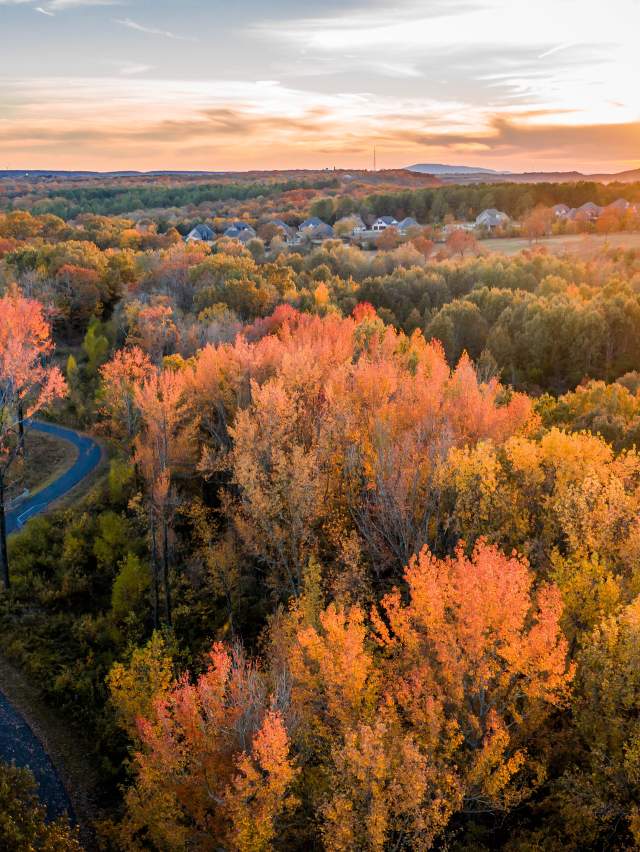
<point x="18" y="743"/>
<point x="89" y="454"/>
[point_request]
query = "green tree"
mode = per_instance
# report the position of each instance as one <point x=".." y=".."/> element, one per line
<point x="23" y="824"/>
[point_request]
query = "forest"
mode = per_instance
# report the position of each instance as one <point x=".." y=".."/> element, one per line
<point x="360" y="568"/>
<point x="333" y="194"/>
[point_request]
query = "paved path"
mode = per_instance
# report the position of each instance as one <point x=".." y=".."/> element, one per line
<point x="17" y="741"/>
<point x="19" y="745"/>
<point x="89" y="454"/>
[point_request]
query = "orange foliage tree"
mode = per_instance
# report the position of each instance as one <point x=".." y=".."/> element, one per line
<point x="120" y="376"/>
<point x="432" y="707"/>
<point x="331" y="425"/>
<point x="213" y="768"/>
<point x="162" y="448"/>
<point x="384" y="725"/>
<point x="460" y="241"/>
<point x="26" y="380"/>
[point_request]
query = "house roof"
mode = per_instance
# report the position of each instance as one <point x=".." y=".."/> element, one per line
<point x="240" y="234"/>
<point x="322" y="230"/>
<point x="589" y="207"/>
<point x="620" y="204"/>
<point x="313" y="222"/>
<point x="242" y="226"/>
<point x="201" y="232"/>
<point x="408" y="222"/>
<point x="492" y="217"/>
<point x="388" y="220"/>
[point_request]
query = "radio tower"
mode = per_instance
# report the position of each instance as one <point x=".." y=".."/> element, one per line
<point x="374" y="158"/>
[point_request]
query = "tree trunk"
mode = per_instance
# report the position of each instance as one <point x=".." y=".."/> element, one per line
<point x="4" y="558"/>
<point x="165" y="567"/>
<point x="20" y="429"/>
<point x="154" y="573"/>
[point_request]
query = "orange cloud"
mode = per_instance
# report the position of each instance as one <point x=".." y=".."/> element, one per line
<point x="154" y="124"/>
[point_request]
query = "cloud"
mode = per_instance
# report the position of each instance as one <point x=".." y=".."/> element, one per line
<point x="133" y="25"/>
<point x="129" y="69"/>
<point x="52" y="6"/>
<point x="239" y="124"/>
<point x="574" y="142"/>
<point x="557" y="49"/>
<point x="60" y="5"/>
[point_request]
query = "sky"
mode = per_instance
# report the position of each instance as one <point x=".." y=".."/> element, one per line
<point x="279" y="84"/>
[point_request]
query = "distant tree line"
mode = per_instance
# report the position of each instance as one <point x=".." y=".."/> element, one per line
<point x="433" y="205"/>
<point x="114" y="200"/>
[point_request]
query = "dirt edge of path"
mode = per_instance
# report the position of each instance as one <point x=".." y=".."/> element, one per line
<point x="63" y="745"/>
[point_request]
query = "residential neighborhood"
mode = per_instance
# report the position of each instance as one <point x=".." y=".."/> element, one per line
<point x="366" y="231"/>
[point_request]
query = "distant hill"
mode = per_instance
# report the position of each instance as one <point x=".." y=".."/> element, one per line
<point x="443" y="169"/>
<point x="629" y="176"/>
<point x="469" y="174"/>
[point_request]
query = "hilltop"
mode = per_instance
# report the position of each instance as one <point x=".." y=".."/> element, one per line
<point x="470" y="174"/>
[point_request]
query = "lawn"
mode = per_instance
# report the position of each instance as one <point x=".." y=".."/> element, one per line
<point x="580" y="244"/>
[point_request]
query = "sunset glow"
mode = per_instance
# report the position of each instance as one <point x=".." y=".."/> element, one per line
<point x="98" y="84"/>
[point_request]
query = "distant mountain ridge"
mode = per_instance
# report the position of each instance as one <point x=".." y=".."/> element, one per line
<point x="432" y="174"/>
<point x="469" y="174"/>
<point x="443" y="169"/>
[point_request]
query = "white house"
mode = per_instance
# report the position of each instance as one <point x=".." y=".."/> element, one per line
<point x="561" y="211"/>
<point x="384" y="222"/>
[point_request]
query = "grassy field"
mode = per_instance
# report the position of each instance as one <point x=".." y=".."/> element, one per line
<point x="45" y="459"/>
<point x="583" y="245"/>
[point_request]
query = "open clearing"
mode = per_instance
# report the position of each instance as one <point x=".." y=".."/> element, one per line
<point x="584" y="245"/>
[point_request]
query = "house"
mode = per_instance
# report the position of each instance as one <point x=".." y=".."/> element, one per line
<point x="313" y="222"/>
<point x="285" y="230"/>
<point x="200" y="234"/>
<point x="588" y="212"/>
<point x="242" y="227"/>
<point x="384" y="222"/>
<point x="561" y="211"/>
<point x="243" y="235"/>
<point x="405" y="225"/>
<point x="321" y="232"/>
<point x="491" y="219"/>
<point x="620" y="206"/>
